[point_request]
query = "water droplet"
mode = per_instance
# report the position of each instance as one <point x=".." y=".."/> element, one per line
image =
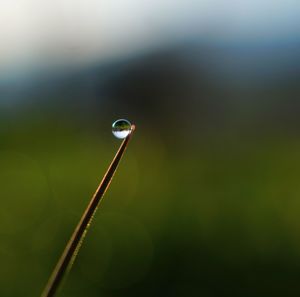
<point x="121" y="128"/>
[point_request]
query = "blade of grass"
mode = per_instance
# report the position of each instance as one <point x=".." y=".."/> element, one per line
<point x="67" y="258"/>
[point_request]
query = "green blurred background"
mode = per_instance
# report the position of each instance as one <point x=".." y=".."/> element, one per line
<point x="205" y="201"/>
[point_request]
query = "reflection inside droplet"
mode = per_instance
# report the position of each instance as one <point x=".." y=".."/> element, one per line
<point x="121" y="128"/>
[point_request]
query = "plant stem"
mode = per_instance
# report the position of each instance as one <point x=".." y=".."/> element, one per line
<point x="71" y="250"/>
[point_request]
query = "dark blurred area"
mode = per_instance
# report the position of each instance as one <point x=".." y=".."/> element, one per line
<point x="205" y="201"/>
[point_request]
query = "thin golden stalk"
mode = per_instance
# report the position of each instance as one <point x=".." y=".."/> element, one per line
<point x="67" y="258"/>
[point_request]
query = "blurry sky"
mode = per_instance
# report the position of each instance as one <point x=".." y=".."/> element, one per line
<point x="56" y="32"/>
